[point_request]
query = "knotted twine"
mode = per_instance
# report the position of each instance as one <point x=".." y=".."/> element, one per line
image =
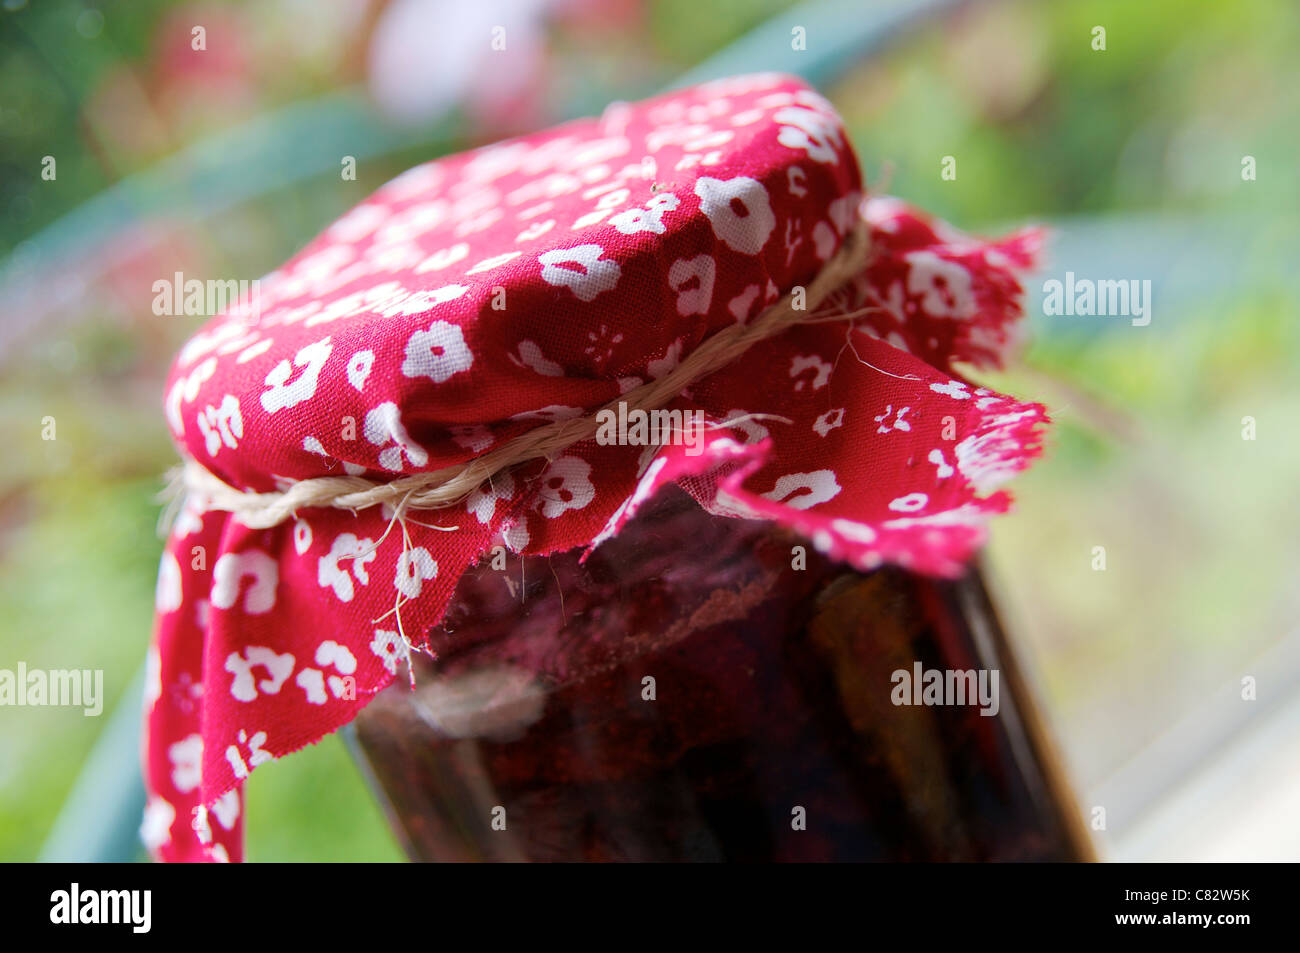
<point x="449" y="485"/>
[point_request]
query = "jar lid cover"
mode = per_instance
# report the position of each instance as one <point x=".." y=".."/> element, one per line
<point x="690" y="289"/>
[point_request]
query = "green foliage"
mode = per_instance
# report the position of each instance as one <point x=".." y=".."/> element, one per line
<point x="1146" y="458"/>
<point x="316" y="806"/>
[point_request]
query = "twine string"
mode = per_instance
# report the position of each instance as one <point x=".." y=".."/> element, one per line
<point x="450" y="485"/>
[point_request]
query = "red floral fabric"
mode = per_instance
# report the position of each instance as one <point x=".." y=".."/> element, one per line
<point x="480" y="295"/>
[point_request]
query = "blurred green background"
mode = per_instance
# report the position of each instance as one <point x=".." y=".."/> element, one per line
<point x="225" y="162"/>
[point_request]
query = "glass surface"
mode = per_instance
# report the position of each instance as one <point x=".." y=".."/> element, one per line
<point x="686" y="694"/>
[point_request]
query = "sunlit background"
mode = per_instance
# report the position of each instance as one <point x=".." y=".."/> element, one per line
<point x="224" y="162"/>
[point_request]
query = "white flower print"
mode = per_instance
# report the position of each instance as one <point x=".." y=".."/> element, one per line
<point x="844" y="211"/>
<point x="483" y="501"/>
<point x="280" y="392"/>
<point x="346" y="547"/>
<point x="754" y="431"/>
<point x="167" y="594"/>
<point x="603" y="342"/>
<point x="256" y="753"/>
<point x="329" y="654"/>
<point x="605" y="206"/>
<point x="391" y="649"/>
<point x="854" y="531"/>
<point x="418" y="302"/>
<point x="592" y="275"/>
<point x="496" y="261"/>
<point x="531" y="356"/>
<point x="516" y="536"/>
<point x="692" y="279"/>
<point x="909" y="503"/>
<point x="990" y="459"/>
<point x="187" y="389"/>
<point x="254" y="350"/>
<point x="244" y="686"/>
<point x="202" y="829"/>
<point x="359" y="368"/>
<point x="412" y="222"/>
<point x="376" y="298"/>
<point x="954" y="389"/>
<point x="358" y="223"/>
<point x="942" y="469"/>
<point x="413" y="567"/>
<point x="477" y="223"/>
<point x="315" y="268"/>
<point x="810" y="362"/>
<point x="746" y="233"/>
<point x="474" y="437"/>
<point x="663" y="365"/>
<point x="226" y="809"/>
<point x="230" y="571"/>
<point x="648" y="219"/>
<point x="964" y="515"/>
<point x="816" y="133"/>
<point x="818" y="486"/>
<point x="155" y="828"/>
<point x="221" y="426"/>
<point x="823" y="238"/>
<point x="418" y="180"/>
<point x="829" y="421"/>
<point x="384" y="424"/>
<point x="534" y="231"/>
<point x="899" y="422"/>
<point x="740" y="305"/>
<point x="443" y="258"/>
<point x="396" y="257"/>
<point x="795" y="178"/>
<point x="944" y="286"/>
<point x="438" y="353"/>
<point x="186" y="757"/>
<point x="566" y="485"/>
<point x="301" y="536"/>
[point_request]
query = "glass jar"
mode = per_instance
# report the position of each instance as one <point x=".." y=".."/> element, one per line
<point x="704" y="688"/>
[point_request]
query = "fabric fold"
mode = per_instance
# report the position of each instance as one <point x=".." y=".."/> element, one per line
<point x="485" y="294"/>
